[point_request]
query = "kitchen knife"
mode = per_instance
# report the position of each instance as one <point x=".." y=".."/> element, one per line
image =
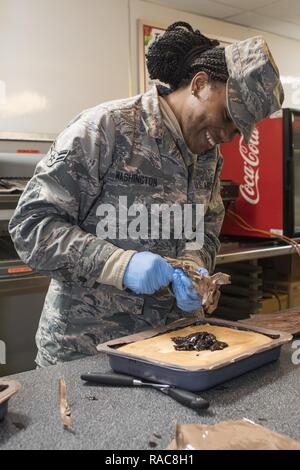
<point x="182" y="396"/>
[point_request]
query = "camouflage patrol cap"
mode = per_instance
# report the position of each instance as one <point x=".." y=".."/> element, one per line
<point x="253" y="90"/>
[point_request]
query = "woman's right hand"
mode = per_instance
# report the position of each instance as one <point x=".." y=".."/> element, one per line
<point x="147" y="272"/>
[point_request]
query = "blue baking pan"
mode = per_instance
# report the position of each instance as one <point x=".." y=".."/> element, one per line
<point x="193" y="380"/>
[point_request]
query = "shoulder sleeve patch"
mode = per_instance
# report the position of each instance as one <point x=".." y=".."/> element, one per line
<point x="56" y="157"/>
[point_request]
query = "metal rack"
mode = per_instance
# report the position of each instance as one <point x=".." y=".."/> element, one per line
<point x="240" y="259"/>
<point x="243" y="297"/>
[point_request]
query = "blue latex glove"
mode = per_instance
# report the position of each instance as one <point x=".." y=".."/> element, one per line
<point x="147" y="273"/>
<point x="187" y="298"/>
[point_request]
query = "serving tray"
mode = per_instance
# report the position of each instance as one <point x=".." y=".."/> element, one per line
<point x="150" y="354"/>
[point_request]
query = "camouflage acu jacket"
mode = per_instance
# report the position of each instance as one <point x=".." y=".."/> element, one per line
<point x="121" y="148"/>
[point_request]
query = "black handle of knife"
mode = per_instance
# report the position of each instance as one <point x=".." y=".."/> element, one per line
<point x="182" y="396"/>
<point x="187" y="398"/>
<point x="108" y="379"/>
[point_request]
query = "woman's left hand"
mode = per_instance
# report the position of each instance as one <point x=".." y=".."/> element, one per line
<point x="187" y="298"/>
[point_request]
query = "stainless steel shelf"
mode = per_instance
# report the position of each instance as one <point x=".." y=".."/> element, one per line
<point x="23" y="284"/>
<point x="235" y="251"/>
<point x="30" y="136"/>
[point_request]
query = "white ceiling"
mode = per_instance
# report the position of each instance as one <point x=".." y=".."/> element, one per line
<point x="280" y="17"/>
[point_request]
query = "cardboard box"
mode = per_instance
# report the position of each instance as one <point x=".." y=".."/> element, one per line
<point x="292" y="289"/>
<point x="271" y="303"/>
<point x="282" y="268"/>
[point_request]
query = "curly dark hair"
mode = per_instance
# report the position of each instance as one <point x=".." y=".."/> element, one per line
<point x="177" y="56"/>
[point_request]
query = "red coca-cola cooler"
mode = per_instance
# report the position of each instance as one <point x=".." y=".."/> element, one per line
<point x="268" y="172"/>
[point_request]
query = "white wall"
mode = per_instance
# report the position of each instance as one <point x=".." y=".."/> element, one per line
<point x="58" y="57"/>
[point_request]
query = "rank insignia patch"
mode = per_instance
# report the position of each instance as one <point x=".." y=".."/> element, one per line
<point x="56" y="157"/>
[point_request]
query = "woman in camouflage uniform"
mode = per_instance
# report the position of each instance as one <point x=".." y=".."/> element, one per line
<point x="160" y="147"/>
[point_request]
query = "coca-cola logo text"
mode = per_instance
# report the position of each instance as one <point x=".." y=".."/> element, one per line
<point x="250" y="154"/>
